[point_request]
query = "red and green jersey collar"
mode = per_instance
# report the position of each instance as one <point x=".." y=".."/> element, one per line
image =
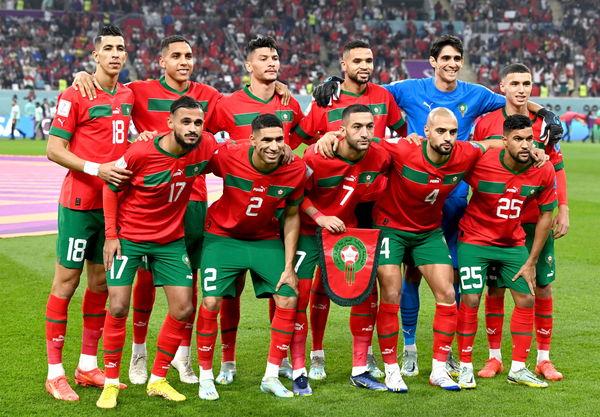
<point x="250" y="151"/>
<point x="164" y="84"/>
<point x="253" y="97"/>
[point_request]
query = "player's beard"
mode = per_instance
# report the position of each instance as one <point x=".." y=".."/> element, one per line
<point x="441" y="151"/>
<point x="186" y="146"/>
<point x="357" y="80"/>
<point x="518" y="159"/>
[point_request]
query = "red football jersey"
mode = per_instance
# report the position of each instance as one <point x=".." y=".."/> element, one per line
<point x="97" y="132"/>
<point x="234" y="114"/>
<point x="153" y="99"/>
<point x="493" y="216"/>
<point x="247" y="208"/>
<point x="152" y="205"/>
<point x="335" y="186"/>
<point x="417" y="188"/>
<point x="320" y="120"/>
<point x="491" y="126"/>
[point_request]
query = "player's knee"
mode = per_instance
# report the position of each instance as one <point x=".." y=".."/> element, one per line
<point x="524" y="300"/>
<point x="286" y="302"/>
<point x="543" y="291"/>
<point x="65" y="282"/>
<point x="211" y="303"/>
<point x="118" y="308"/>
<point x="445" y="295"/>
<point x="182" y="311"/>
<point x="471" y="300"/>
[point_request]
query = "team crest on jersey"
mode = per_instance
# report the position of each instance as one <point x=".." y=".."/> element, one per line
<point x="462" y="108"/>
<point x="349" y="256"/>
<point x="63" y="108"/>
<point x="549" y="260"/>
<point x="279" y="192"/>
<point x="454" y="179"/>
<point x="186" y="260"/>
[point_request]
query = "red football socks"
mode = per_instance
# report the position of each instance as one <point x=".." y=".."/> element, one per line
<point x="361" y="327"/>
<point x="206" y="336"/>
<point x="521" y="328"/>
<point x="143" y="300"/>
<point x="494" y="320"/>
<point x="114" y="339"/>
<point x="298" y="346"/>
<point x="230" y="319"/>
<point x="282" y="328"/>
<point x="543" y="322"/>
<point x="319" y="311"/>
<point x="186" y="337"/>
<point x="387" y="331"/>
<point x="444" y="328"/>
<point x="466" y="330"/>
<point x="56" y="328"/>
<point x="168" y="341"/>
<point x="94" y="314"/>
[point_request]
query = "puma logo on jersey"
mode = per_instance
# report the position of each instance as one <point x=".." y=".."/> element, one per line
<point x="351" y="178"/>
<point x="512" y="190"/>
<point x="435" y="181"/>
<point x="260" y="189"/>
<point x="427" y="105"/>
<point x="116" y="111"/>
<point x="179" y="172"/>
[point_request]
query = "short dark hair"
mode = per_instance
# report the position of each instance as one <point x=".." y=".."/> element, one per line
<point x="354" y="44"/>
<point x="185" y="102"/>
<point x="164" y="44"/>
<point x="107" y="30"/>
<point x="515" y="68"/>
<point x="446" y="40"/>
<point x="261" y="42"/>
<point x="355" y="108"/>
<point x="515" y="122"/>
<point x="265" y="120"/>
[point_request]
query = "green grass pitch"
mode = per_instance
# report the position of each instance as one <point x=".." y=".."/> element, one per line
<point x="26" y="268"/>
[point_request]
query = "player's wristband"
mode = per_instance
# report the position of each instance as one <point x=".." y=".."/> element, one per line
<point x="91" y="168"/>
<point x="316" y="215"/>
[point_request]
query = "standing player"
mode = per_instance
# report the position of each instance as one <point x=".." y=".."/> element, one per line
<point x="242" y="233"/>
<point x="516" y="85"/>
<point x="84" y="137"/>
<point x="417" y="97"/>
<point x="146" y="220"/>
<point x="504" y="184"/>
<point x="333" y="189"/>
<point x="357" y="65"/>
<point x="153" y="99"/>
<point x="234" y="114"/>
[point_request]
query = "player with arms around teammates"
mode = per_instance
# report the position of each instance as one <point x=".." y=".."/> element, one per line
<point x="516" y="84"/>
<point x="243" y="232"/>
<point x="504" y="183"/>
<point x="145" y="219"/>
<point x="333" y="189"/>
<point x="85" y="137"/>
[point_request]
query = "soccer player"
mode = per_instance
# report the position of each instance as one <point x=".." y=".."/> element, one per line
<point x="417" y="97"/>
<point x="145" y="219"/>
<point x="85" y="137"/>
<point x="242" y="233"/>
<point x="357" y="65"/>
<point x="504" y="183"/>
<point x="516" y="84"/>
<point x="234" y="114"/>
<point x="333" y="189"/>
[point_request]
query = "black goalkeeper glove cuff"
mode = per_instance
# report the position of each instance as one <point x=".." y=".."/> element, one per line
<point x="324" y="92"/>
<point x="554" y="130"/>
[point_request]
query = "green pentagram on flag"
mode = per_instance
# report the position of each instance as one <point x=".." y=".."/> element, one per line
<point x="350" y="256"/>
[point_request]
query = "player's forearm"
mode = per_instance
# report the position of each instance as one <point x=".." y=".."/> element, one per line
<point x="57" y="151"/>
<point x="542" y="230"/>
<point x="491" y="143"/>
<point x="291" y="232"/>
<point x="561" y="187"/>
<point x="110" y="202"/>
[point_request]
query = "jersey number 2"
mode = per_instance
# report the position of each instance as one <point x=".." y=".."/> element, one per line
<point x="255" y="203"/>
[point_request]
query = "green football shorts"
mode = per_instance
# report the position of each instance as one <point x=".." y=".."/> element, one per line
<point x="170" y="263"/>
<point x="307" y="257"/>
<point x="193" y="224"/>
<point x="425" y="248"/>
<point x="545" y="270"/>
<point x="80" y="237"/>
<point x="224" y="258"/>
<point x="474" y="261"/>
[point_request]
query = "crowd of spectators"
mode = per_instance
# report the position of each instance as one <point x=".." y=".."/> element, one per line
<point x="47" y="49"/>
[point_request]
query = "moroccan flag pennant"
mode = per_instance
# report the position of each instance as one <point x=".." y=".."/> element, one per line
<point x="348" y="263"/>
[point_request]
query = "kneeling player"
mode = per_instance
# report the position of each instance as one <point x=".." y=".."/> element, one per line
<point x="504" y="183"/>
<point x="148" y="215"/>
<point x="242" y="233"/>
